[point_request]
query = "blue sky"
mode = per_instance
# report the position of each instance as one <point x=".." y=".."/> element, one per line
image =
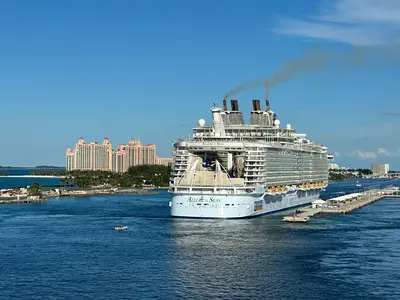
<point x="151" y="69"/>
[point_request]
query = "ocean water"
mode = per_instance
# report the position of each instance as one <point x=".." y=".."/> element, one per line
<point x="16" y="182"/>
<point x="66" y="249"/>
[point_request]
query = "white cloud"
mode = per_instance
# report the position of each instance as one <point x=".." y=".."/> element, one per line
<point x="372" y="155"/>
<point x="364" y="155"/>
<point x="337" y="154"/>
<point x="357" y="22"/>
<point x="383" y="151"/>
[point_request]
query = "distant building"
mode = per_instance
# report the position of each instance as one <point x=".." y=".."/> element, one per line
<point x="101" y="157"/>
<point x="163" y="161"/>
<point x="380" y="169"/>
<point x="333" y="166"/>
<point x="120" y="160"/>
<point x="139" y="154"/>
<point x="90" y="157"/>
<point x="70" y="157"/>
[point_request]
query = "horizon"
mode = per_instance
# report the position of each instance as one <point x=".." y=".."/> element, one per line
<point x="152" y="70"/>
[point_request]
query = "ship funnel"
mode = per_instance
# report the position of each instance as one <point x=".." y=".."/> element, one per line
<point x="254" y="105"/>
<point x="267" y="105"/>
<point x="224" y="104"/>
<point x="257" y="104"/>
<point x="234" y="105"/>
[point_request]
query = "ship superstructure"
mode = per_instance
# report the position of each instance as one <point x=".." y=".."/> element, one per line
<point x="233" y="170"/>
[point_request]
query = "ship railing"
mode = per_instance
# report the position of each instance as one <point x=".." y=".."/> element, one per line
<point x="210" y="189"/>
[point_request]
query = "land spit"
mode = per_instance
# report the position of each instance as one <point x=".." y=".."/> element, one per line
<point x="56" y="193"/>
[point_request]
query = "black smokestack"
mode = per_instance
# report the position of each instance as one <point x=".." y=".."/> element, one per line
<point x="224" y="104"/>
<point x="254" y="105"/>
<point x="234" y="105"/>
<point x="267" y="105"/>
<point x="257" y="102"/>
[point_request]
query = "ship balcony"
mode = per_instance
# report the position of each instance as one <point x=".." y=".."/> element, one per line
<point x="179" y="168"/>
<point x="178" y="153"/>
<point x="254" y="167"/>
<point x="254" y="181"/>
<point x="253" y="175"/>
<point x="255" y="152"/>
<point x="258" y="167"/>
<point x="256" y="163"/>
<point x="256" y="159"/>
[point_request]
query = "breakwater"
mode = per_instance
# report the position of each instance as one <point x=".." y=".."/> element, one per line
<point x="341" y="205"/>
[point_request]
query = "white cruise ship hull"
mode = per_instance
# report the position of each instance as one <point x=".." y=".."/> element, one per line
<point x="237" y="205"/>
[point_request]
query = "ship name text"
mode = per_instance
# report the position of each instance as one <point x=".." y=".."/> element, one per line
<point x="203" y="200"/>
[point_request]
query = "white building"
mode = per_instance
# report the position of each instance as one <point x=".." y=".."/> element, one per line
<point x="318" y="203"/>
<point x="380" y="169"/>
<point x="333" y="166"/>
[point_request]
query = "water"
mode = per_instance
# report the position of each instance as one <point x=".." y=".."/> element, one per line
<point x="17" y="182"/>
<point x="66" y="249"/>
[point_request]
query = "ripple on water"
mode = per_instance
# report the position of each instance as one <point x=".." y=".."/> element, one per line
<point x="66" y="248"/>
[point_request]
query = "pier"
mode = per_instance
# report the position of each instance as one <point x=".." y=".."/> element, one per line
<point x="341" y="205"/>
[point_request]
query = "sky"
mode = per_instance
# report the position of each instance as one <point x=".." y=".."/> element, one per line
<point x="152" y="69"/>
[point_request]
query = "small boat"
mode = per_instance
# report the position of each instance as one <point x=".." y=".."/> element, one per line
<point x="358" y="184"/>
<point x="120" y="227"/>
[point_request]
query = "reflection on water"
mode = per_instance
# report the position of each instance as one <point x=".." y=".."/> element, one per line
<point x="66" y="249"/>
<point x="251" y="258"/>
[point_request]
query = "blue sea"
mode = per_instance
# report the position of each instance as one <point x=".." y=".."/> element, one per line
<point x="17" y="182"/>
<point x="66" y="249"/>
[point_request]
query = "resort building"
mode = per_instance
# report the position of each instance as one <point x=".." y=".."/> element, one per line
<point x="164" y="161"/>
<point x="120" y="160"/>
<point x="101" y="157"/>
<point x="90" y="157"/>
<point x="139" y="154"/>
<point x="70" y="157"/>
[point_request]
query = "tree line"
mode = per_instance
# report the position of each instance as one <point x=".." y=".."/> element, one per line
<point x="61" y="172"/>
<point x="137" y="176"/>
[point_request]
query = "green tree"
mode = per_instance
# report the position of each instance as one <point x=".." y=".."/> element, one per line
<point x="34" y="189"/>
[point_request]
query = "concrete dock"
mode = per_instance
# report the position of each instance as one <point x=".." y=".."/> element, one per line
<point x="341" y="205"/>
<point x="302" y="216"/>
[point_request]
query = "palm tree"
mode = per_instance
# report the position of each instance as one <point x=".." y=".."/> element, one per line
<point x="34" y="189"/>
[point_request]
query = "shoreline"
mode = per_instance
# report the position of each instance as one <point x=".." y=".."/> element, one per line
<point x="76" y="193"/>
<point x="96" y="192"/>
<point x="33" y="176"/>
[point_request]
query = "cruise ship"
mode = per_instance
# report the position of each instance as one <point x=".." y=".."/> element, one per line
<point x="230" y="169"/>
